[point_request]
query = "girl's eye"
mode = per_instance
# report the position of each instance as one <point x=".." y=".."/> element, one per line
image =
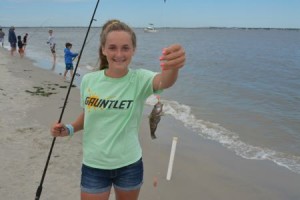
<point x="111" y="48"/>
<point x="126" y="48"/>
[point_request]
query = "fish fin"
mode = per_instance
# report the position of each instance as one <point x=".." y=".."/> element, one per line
<point x="153" y="136"/>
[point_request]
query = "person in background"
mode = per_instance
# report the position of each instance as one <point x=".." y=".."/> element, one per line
<point x="12" y="39"/>
<point x="20" y="46"/>
<point x="69" y="60"/>
<point x="51" y="42"/>
<point x="2" y="34"/>
<point x="113" y="100"/>
<point x="25" y="38"/>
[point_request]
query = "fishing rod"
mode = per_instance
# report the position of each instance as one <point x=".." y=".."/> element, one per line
<point x="40" y="187"/>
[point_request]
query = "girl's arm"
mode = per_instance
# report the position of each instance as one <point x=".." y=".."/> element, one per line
<point x="79" y="122"/>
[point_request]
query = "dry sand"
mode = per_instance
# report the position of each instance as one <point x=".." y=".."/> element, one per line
<point x="202" y="169"/>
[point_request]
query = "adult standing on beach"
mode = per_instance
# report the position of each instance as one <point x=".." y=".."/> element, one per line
<point x="51" y="42"/>
<point x="12" y="38"/>
<point x="113" y="100"/>
<point x="2" y="34"/>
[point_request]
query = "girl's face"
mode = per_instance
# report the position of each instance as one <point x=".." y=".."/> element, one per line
<point x="118" y="50"/>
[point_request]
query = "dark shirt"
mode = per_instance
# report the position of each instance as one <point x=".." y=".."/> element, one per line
<point x="20" y="44"/>
<point x="12" y="38"/>
<point x="25" y="39"/>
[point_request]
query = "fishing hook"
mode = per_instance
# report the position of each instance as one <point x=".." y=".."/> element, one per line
<point x="40" y="187"/>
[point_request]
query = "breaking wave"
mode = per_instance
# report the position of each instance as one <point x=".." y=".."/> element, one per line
<point x="228" y="139"/>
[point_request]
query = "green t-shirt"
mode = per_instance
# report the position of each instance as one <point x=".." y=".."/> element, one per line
<point x="113" y="109"/>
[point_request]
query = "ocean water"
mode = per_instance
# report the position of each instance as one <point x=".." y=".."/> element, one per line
<point x="239" y="88"/>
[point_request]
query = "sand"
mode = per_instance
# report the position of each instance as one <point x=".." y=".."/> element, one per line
<point x="30" y="101"/>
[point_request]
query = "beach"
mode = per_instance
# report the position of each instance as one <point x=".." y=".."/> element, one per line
<point x="31" y="100"/>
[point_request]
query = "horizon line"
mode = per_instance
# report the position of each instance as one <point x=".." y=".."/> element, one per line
<point x="200" y="27"/>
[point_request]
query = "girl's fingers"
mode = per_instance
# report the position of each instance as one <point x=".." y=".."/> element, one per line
<point x="173" y="57"/>
<point x="172" y="48"/>
<point x="176" y="63"/>
<point x="58" y="130"/>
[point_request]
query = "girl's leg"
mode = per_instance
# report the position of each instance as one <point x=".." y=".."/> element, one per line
<point x="95" y="183"/>
<point x="127" y="195"/>
<point x="129" y="181"/>
<point x="100" y="196"/>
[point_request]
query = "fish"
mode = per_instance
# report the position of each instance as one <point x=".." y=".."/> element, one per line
<point x="154" y="118"/>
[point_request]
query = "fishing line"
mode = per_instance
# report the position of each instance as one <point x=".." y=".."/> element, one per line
<point x="42" y="25"/>
<point x="157" y="176"/>
<point x="164" y="44"/>
<point x="92" y="68"/>
<point x="40" y="187"/>
<point x="92" y="37"/>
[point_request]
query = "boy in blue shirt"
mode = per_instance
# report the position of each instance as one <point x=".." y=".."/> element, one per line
<point x="69" y="59"/>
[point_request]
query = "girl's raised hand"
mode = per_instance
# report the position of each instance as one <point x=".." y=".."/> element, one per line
<point x="173" y="57"/>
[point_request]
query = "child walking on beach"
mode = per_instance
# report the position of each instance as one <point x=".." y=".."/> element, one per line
<point x="113" y="100"/>
<point x="20" y="46"/>
<point x="69" y="59"/>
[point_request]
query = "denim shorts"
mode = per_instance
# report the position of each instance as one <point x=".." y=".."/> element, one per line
<point x="126" y="178"/>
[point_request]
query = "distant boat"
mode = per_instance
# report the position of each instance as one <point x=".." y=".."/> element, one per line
<point x="150" y="29"/>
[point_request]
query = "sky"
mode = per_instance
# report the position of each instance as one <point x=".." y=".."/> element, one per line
<point x="139" y="13"/>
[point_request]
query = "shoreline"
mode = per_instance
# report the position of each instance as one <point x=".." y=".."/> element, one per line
<point x="203" y="169"/>
<point x="202" y="27"/>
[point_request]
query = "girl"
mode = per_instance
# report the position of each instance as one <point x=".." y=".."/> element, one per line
<point x="113" y="99"/>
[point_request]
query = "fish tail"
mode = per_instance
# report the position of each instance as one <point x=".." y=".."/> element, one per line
<point x="153" y="136"/>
